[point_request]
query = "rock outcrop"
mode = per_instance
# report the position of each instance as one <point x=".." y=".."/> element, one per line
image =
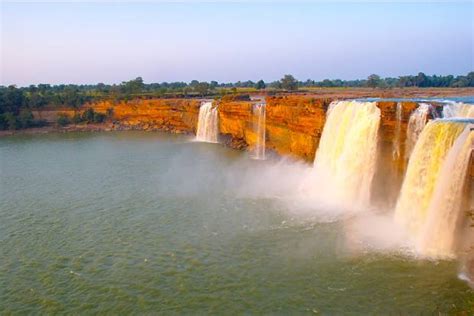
<point x="173" y="115"/>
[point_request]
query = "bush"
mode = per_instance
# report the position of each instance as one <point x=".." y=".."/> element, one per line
<point x="25" y="119"/>
<point x="11" y="120"/>
<point x="110" y="113"/>
<point x="38" y="123"/>
<point x="3" y="122"/>
<point x="63" y="119"/>
<point x="99" y="117"/>
<point x="76" y="119"/>
<point x="88" y="115"/>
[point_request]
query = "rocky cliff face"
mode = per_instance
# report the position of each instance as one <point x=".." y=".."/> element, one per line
<point x="295" y="125"/>
<point x="174" y="115"/>
<point x="236" y="124"/>
<point x="390" y="166"/>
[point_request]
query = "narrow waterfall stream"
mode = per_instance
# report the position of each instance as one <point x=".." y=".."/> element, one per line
<point x="416" y="124"/>
<point x="207" y="129"/>
<point x="259" y="111"/>
<point x="398" y="126"/>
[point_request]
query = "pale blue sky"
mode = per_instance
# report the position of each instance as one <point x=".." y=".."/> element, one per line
<point x="113" y="42"/>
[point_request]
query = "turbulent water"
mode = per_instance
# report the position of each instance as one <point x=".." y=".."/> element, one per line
<point x="135" y="223"/>
<point x="416" y="123"/>
<point x="346" y="156"/>
<point x="423" y="172"/>
<point x="207" y="129"/>
<point x="446" y="219"/>
<point x="456" y="109"/>
<point x="260" y="113"/>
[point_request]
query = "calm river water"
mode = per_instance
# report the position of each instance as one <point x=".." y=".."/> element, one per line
<point x="133" y="222"/>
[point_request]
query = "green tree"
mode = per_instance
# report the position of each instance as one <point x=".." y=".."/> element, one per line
<point x="288" y="82"/>
<point x="260" y="85"/>
<point x="25" y="119"/>
<point x="135" y="86"/>
<point x="202" y="88"/>
<point x="63" y="119"/>
<point x="470" y="78"/>
<point x="373" y="81"/>
<point x="99" y="117"/>
<point x="88" y="115"/>
<point x="3" y="122"/>
<point x="11" y="100"/>
<point x="461" y="82"/>
<point x="421" y="80"/>
<point x="71" y="97"/>
<point x="11" y="120"/>
<point x="77" y="118"/>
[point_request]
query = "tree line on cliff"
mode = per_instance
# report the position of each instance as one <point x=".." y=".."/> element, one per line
<point x="16" y="103"/>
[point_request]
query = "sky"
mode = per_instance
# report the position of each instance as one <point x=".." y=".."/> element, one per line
<point x="90" y="42"/>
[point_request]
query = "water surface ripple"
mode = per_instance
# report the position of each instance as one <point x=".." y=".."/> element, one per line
<point x="135" y="222"/>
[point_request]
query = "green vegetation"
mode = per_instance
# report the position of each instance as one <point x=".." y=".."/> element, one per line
<point x="63" y="119"/>
<point x="373" y="81"/>
<point x="16" y="103"/>
<point x="88" y="116"/>
<point x="288" y="82"/>
<point x="260" y="85"/>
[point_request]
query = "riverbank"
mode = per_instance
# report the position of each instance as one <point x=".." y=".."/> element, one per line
<point x="60" y="129"/>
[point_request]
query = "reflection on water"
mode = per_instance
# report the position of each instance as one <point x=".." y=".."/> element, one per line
<point x="137" y="222"/>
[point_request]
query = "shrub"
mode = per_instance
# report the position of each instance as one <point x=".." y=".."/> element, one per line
<point x="63" y="119"/>
<point x="3" y="122"/>
<point x="88" y="115"/>
<point x="25" y="119"/>
<point x="11" y="121"/>
<point x="99" y="117"/>
<point x="76" y="119"/>
<point x="110" y="113"/>
<point x="38" y="123"/>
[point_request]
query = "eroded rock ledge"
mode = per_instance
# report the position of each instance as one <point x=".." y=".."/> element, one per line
<point x="294" y="123"/>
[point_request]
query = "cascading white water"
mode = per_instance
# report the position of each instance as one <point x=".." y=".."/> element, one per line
<point x="454" y="109"/>
<point x="207" y="129"/>
<point x="422" y="173"/>
<point x="348" y="150"/>
<point x="416" y="123"/>
<point x="260" y="113"/>
<point x="445" y="216"/>
<point x="398" y="126"/>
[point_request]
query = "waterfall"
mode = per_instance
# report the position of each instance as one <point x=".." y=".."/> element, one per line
<point x="446" y="218"/>
<point x="416" y="123"/>
<point x="454" y="109"/>
<point x="207" y="128"/>
<point x="260" y="113"/>
<point x="423" y="170"/>
<point x="347" y="150"/>
<point x="398" y="126"/>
